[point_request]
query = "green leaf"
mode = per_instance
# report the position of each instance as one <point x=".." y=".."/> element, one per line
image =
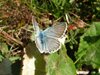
<point x="4" y="48"/>
<point x="60" y="64"/>
<point x="32" y="36"/>
<point x="89" y="47"/>
<point x="32" y="52"/>
<point x="5" y="67"/>
<point x="71" y="1"/>
<point x="1" y="57"/>
<point x="14" y="58"/>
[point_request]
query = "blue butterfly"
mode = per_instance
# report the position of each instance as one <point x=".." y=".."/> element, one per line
<point x="47" y="41"/>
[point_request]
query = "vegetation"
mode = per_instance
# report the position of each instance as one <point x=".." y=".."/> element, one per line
<point x="81" y="51"/>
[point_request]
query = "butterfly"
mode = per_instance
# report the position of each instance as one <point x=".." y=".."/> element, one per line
<point x="48" y="40"/>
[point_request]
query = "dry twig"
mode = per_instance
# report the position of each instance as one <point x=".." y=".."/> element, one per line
<point x="10" y="38"/>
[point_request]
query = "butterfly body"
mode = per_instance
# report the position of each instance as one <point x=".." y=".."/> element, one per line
<point x="47" y="41"/>
<point x="42" y="38"/>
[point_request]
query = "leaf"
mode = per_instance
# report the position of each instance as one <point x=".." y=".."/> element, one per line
<point x="89" y="47"/>
<point x="1" y="57"/>
<point x="5" y="67"/>
<point x="60" y="64"/>
<point x="32" y="36"/>
<point x="14" y="58"/>
<point x="33" y="61"/>
<point x="71" y="1"/>
<point x="3" y="48"/>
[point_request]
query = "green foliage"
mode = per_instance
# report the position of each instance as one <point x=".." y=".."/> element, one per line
<point x="12" y="16"/>
<point x="14" y="58"/>
<point x="1" y="57"/>
<point x="93" y="7"/>
<point x="5" y="53"/>
<point x="4" y="48"/>
<point x="57" y="8"/>
<point x="60" y="64"/>
<point x="89" y="47"/>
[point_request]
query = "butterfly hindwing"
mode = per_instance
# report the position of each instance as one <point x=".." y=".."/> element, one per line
<point x="47" y="44"/>
<point x="51" y="45"/>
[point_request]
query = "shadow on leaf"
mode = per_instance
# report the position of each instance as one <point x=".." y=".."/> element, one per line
<point x="91" y="39"/>
<point x="40" y="63"/>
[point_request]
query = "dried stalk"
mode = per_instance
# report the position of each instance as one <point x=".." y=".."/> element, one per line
<point x="10" y="38"/>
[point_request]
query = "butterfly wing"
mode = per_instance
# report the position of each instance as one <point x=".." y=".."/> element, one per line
<point x="35" y="25"/>
<point x="49" y="45"/>
<point x="39" y="44"/>
<point x="57" y="30"/>
<point x="49" y="42"/>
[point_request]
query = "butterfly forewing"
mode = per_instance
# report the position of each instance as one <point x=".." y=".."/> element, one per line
<point x="35" y="25"/>
<point x="56" y="31"/>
